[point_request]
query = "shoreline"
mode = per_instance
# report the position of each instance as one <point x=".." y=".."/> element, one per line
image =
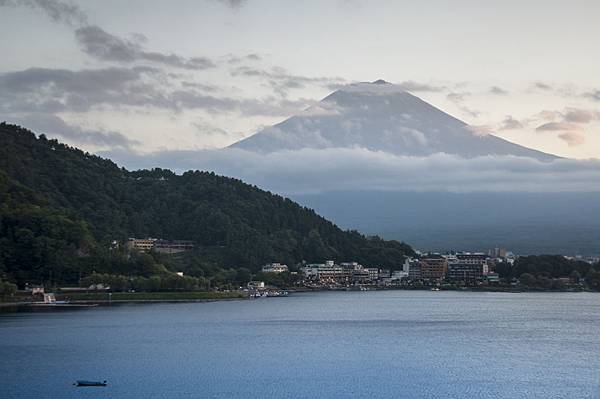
<point x="93" y="298"/>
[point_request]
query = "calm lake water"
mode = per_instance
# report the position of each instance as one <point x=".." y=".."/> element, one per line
<point x="386" y="344"/>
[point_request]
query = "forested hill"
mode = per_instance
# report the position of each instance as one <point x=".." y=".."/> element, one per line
<point x="61" y="207"/>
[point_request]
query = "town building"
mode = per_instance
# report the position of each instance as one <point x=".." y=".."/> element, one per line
<point x="173" y="247"/>
<point x="256" y="285"/>
<point x="274" y="268"/>
<point x="433" y="268"/>
<point x="140" y="244"/>
<point x="373" y="274"/>
<point x="361" y="276"/>
<point x="158" y="245"/>
<point x="414" y="272"/>
<point x="468" y="267"/>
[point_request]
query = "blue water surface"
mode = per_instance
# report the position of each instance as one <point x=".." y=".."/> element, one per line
<point x="384" y="344"/>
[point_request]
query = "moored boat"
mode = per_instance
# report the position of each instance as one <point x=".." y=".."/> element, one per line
<point x="84" y="383"/>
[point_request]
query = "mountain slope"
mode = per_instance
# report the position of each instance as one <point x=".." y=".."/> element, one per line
<point x="381" y="117"/>
<point x="233" y="224"/>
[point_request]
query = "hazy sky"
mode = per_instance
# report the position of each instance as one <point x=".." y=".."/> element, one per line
<point x="148" y="76"/>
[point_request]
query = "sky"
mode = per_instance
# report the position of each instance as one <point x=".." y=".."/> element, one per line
<point x="144" y="77"/>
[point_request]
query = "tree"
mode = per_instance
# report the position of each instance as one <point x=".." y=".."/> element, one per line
<point x="527" y="279"/>
<point x="575" y="276"/>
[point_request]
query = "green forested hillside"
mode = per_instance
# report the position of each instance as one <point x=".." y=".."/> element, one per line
<point x="61" y="207"/>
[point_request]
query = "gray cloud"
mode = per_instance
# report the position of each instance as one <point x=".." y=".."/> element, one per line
<point x="238" y="59"/>
<point x="282" y="81"/>
<point x="573" y="138"/>
<point x="542" y="86"/>
<point x="233" y="3"/>
<point x="312" y="170"/>
<point x="410" y="85"/>
<point x="510" y="123"/>
<point x="46" y="90"/>
<point x="457" y="97"/>
<point x="58" y="90"/>
<point x="556" y="127"/>
<point x="571" y="133"/>
<point x="57" y="11"/>
<point x="498" y="91"/>
<point x="594" y="95"/>
<point x="570" y="124"/>
<point x="102" y="45"/>
<point x="580" y="115"/>
<point x="53" y="126"/>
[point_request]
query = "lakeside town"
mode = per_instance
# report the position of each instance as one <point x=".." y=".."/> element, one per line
<point x="452" y="270"/>
<point x="496" y="270"/>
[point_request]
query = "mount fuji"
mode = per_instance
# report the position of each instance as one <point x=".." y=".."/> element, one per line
<point x="385" y="119"/>
<point x="381" y="116"/>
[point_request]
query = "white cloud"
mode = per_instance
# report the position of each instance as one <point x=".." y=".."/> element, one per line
<point x="336" y="169"/>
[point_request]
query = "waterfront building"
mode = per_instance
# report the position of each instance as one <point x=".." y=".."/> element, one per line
<point x="384" y="273"/>
<point x="468" y="267"/>
<point x="311" y="270"/>
<point x="414" y="272"/>
<point x="373" y="273"/>
<point x="256" y="285"/>
<point x="465" y="271"/>
<point x="433" y="268"/>
<point x="399" y="275"/>
<point x="361" y="276"/>
<point x="330" y="273"/>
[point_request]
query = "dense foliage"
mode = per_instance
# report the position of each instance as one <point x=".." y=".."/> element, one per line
<point x="61" y="207"/>
<point x="548" y="271"/>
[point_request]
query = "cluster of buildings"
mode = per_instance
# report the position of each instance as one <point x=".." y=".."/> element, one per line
<point x="158" y="245"/>
<point x="462" y="268"/>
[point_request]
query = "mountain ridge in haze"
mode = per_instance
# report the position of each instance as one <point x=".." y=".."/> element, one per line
<point x="380" y="116"/>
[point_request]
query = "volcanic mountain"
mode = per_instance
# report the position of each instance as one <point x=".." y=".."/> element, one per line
<point x="380" y="116"/>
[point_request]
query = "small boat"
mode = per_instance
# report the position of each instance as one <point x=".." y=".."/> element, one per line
<point x="83" y="383"/>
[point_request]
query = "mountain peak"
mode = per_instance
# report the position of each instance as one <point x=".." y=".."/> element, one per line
<point x="379" y="86"/>
<point x="383" y="117"/>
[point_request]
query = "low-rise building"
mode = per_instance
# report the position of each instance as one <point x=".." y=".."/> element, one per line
<point x="373" y="274"/>
<point x="140" y="244"/>
<point x="274" y="268"/>
<point x="256" y="285"/>
<point x="173" y="247"/>
<point x="158" y="245"/>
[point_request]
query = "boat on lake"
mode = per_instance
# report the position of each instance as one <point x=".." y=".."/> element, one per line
<point x="84" y="383"/>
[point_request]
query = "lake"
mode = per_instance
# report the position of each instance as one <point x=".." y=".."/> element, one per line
<point x="378" y="344"/>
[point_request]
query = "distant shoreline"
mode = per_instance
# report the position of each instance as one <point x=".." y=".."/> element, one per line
<point x="189" y="297"/>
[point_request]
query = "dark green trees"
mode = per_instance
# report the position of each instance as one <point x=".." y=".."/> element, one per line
<point x="61" y="208"/>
